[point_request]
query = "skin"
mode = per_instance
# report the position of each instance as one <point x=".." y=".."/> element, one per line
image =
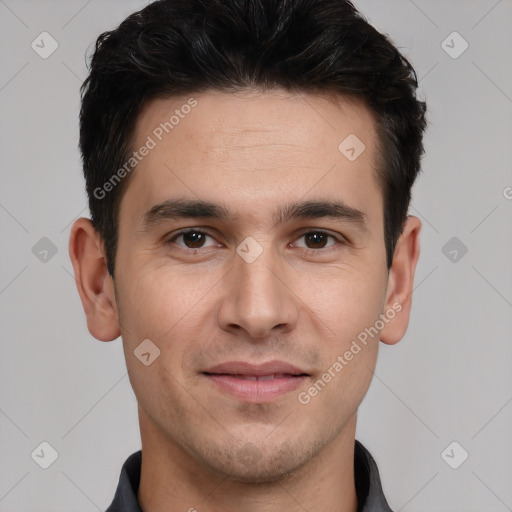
<point x="301" y="301"/>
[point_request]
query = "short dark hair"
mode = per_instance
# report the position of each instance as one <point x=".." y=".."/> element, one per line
<point x="175" y="47"/>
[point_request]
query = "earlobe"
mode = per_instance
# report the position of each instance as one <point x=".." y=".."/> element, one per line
<point x="400" y="282"/>
<point x="95" y="286"/>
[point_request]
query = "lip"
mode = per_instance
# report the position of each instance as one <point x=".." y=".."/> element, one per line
<point x="244" y="368"/>
<point x="252" y="383"/>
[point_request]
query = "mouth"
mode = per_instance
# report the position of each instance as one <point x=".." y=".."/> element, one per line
<point x="256" y="383"/>
<point x="271" y="376"/>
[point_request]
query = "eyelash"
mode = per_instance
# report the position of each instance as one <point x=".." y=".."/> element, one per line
<point x="338" y="240"/>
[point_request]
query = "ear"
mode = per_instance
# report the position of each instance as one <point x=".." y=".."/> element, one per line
<point x="95" y="286"/>
<point x="401" y="280"/>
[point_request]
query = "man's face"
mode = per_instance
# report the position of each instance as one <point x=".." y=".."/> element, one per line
<point x="250" y="286"/>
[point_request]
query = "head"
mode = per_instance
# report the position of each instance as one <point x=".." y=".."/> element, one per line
<point x="261" y="122"/>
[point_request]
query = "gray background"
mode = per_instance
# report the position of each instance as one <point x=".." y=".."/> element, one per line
<point x="448" y="380"/>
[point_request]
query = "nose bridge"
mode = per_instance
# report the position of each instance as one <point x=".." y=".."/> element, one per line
<point x="256" y="273"/>
<point x="260" y="273"/>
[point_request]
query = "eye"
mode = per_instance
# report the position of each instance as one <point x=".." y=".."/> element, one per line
<point x="315" y="240"/>
<point x="192" y="239"/>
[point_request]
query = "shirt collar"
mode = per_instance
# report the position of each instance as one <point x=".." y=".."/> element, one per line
<point x="368" y="486"/>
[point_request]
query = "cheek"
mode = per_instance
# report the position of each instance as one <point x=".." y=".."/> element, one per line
<point x="346" y="302"/>
<point x="346" y="314"/>
<point x="160" y="301"/>
<point x="159" y="307"/>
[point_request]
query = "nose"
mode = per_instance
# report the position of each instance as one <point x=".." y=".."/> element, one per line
<point x="258" y="298"/>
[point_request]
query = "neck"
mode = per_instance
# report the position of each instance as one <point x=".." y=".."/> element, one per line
<point x="174" y="480"/>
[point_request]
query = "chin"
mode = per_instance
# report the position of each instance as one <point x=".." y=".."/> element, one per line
<point x="249" y="466"/>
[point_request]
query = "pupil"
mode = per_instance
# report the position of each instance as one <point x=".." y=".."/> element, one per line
<point x="315" y="237"/>
<point x="193" y="237"/>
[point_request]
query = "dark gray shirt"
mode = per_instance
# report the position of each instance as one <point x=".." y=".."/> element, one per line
<point x="368" y="487"/>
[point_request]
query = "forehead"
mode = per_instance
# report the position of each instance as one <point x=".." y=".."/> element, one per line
<point x="254" y="147"/>
<point x="240" y="120"/>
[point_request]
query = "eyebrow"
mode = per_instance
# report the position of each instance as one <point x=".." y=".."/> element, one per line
<point x="176" y="209"/>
